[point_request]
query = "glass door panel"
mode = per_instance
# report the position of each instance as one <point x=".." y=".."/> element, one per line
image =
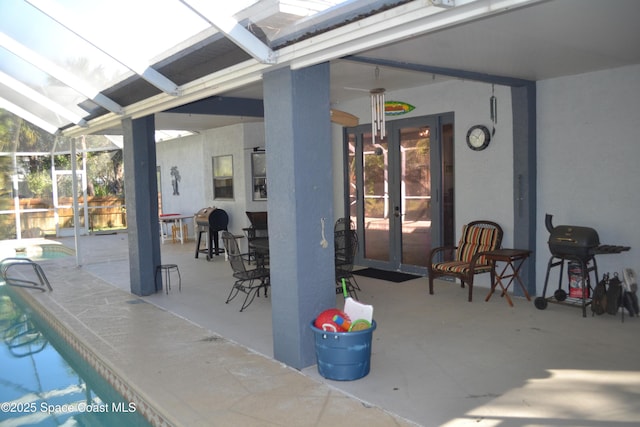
<point x="375" y="164"/>
<point x="352" y="207"/>
<point x="415" y="193"/>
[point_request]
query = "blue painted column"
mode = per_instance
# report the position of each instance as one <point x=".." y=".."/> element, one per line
<point x="299" y="164"/>
<point x="523" y="101"/>
<point x="141" y="189"/>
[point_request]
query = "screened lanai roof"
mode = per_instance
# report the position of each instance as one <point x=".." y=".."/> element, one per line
<point x="65" y="62"/>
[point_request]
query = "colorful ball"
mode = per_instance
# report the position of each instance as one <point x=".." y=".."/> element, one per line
<point x="325" y="321"/>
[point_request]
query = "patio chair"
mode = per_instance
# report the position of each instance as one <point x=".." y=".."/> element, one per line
<point x="466" y="260"/>
<point x="346" y="248"/>
<point x="258" y="231"/>
<point x="248" y="281"/>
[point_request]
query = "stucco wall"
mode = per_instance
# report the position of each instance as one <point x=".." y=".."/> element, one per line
<point x="186" y="155"/>
<point x="193" y="157"/>
<point x="588" y="154"/>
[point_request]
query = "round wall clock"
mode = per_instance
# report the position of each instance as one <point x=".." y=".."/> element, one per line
<point x="478" y="137"/>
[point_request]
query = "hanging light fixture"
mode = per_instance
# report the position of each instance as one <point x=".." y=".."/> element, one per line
<point x="378" y="125"/>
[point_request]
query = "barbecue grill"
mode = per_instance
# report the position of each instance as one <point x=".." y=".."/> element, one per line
<point x="210" y="221"/>
<point x="574" y="244"/>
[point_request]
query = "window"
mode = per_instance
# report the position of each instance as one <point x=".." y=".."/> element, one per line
<point x="259" y="175"/>
<point x="223" y="177"/>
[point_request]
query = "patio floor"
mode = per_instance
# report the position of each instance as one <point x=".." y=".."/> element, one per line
<point x="437" y="360"/>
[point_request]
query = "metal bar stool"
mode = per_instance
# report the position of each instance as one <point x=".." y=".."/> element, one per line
<point x="166" y="269"/>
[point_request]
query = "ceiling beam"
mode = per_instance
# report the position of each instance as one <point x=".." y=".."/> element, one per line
<point x="58" y="73"/>
<point x="244" y="39"/>
<point x="77" y="26"/>
<point x="39" y="98"/>
<point x="222" y="105"/>
<point x="441" y="71"/>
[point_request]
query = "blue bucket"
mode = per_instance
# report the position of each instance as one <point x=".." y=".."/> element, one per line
<point x="343" y="356"/>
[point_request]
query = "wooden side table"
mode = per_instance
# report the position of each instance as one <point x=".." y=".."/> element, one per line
<point x="513" y="259"/>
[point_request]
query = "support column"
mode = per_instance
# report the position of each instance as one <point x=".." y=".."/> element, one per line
<point x="141" y="189"/>
<point x="299" y="161"/>
<point x="523" y="100"/>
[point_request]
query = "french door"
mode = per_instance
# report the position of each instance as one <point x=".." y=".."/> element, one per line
<point x="401" y="191"/>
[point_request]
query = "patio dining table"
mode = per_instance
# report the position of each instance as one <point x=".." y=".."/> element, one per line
<point x="260" y="246"/>
<point x="173" y="222"/>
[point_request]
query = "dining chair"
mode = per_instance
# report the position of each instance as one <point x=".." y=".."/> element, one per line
<point x="346" y="248"/>
<point x="258" y="231"/>
<point x="248" y="281"/>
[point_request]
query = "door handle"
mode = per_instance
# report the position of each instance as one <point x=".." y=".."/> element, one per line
<point x="396" y="212"/>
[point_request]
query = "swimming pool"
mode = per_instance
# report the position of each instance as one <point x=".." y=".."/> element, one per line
<point x="36" y="249"/>
<point x="44" y="382"/>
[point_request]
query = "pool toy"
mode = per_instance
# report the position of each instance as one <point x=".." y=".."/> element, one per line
<point x="325" y="321"/>
<point x="355" y="309"/>
<point x="343" y="323"/>
<point x="359" y="325"/>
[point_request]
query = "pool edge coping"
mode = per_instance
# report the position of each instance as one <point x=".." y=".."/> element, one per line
<point x="102" y="366"/>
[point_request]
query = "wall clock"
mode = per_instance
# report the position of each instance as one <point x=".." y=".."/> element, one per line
<point x="478" y="137"/>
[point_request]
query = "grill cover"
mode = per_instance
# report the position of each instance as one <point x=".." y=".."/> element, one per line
<point x="216" y="219"/>
<point x="210" y="221"/>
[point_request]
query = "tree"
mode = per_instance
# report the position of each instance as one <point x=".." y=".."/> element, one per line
<point x="106" y="172"/>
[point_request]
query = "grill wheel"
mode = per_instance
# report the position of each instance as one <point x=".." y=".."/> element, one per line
<point x="540" y="303"/>
<point x="560" y="295"/>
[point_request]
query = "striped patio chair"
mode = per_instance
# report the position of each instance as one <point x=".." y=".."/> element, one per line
<point x="466" y="260"/>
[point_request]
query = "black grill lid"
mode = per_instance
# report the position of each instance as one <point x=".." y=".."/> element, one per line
<point x="570" y="241"/>
<point x="571" y="235"/>
<point x="574" y="236"/>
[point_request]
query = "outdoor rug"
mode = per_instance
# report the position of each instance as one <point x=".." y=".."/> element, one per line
<point x="390" y="276"/>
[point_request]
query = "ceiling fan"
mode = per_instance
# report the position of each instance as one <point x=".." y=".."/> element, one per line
<point x="378" y="125"/>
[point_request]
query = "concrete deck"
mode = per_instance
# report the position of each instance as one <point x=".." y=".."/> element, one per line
<point x="437" y="360"/>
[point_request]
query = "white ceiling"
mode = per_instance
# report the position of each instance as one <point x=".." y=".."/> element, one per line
<point x="549" y="39"/>
<point x="544" y="40"/>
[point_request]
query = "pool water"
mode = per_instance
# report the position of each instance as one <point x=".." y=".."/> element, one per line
<point x="44" y="383"/>
<point x="43" y="252"/>
<point x="34" y="249"/>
